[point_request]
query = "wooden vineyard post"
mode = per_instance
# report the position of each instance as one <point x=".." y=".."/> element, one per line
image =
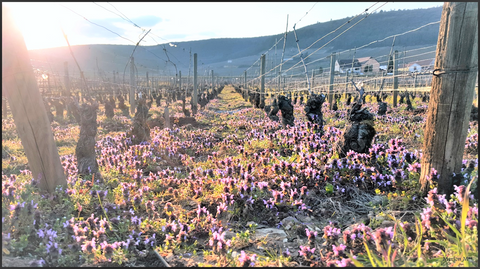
<point x="29" y="114"/>
<point x="415" y="81"/>
<point x="148" y="85"/>
<point x="279" y="83"/>
<point x="166" y="114"/>
<point x="132" y="86"/>
<point x="245" y="90"/>
<point x="332" y="79"/>
<point x="453" y="86"/>
<point x="180" y="81"/>
<point x="194" y="94"/>
<point x="346" y="81"/>
<point x="395" y="78"/>
<point x="48" y="84"/>
<point x="66" y="79"/>
<point x="245" y="79"/>
<point x="262" y="81"/>
<point x="213" y="85"/>
<point x="313" y="78"/>
<point x="83" y="90"/>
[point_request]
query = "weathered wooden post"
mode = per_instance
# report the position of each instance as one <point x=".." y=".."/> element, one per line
<point x="194" y="94"/>
<point x="83" y="90"/>
<point x="415" y="81"/>
<point x="180" y="80"/>
<point x="132" y="86"/>
<point x="346" y="81"/>
<point x="148" y="85"/>
<point x="262" y="81"/>
<point x="213" y="85"/>
<point x="245" y="79"/>
<point x="453" y="86"/>
<point x="48" y="84"/>
<point x="245" y="90"/>
<point x="395" y="78"/>
<point x="66" y="79"/>
<point x="313" y="77"/>
<point x="29" y="114"/>
<point x="166" y="115"/>
<point x="332" y="79"/>
<point x="67" y="92"/>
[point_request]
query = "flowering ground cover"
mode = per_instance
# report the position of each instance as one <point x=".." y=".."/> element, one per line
<point x="237" y="189"/>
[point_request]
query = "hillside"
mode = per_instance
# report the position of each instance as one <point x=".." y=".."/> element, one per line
<point x="231" y="56"/>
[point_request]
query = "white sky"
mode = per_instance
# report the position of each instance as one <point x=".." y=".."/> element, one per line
<point x="41" y="23"/>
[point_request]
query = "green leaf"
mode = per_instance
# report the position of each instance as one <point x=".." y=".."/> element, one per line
<point x="354" y="261"/>
<point x="454" y="229"/>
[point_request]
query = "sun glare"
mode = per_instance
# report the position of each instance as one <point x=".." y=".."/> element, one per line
<point x="40" y="23"/>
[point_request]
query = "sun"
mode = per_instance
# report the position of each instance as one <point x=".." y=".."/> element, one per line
<point x="40" y="23"/>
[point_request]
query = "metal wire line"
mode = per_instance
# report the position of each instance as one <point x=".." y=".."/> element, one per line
<point x="343" y="83"/>
<point x="325" y="43"/>
<point x="273" y="46"/>
<point x="98" y="24"/>
<point x="326" y="36"/>
<point x="125" y="17"/>
<point x="368" y="44"/>
<point x="386" y="55"/>
<point x="335" y="31"/>
<point x="402" y="75"/>
<point x="337" y="36"/>
<point x="410" y="31"/>
<point x="281" y="64"/>
<point x="117" y="33"/>
<point x="306" y="13"/>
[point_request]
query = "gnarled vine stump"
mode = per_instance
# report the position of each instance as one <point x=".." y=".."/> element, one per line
<point x="140" y="131"/>
<point x="109" y="109"/>
<point x="273" y="111"/>
<point x="382" y="108"/>
<point x="359" y="131"/>
<point x="285" y="105"/>
<point x="85" y="150"/>
<point x="313" y="111"/>
<point x="59" y="107"/>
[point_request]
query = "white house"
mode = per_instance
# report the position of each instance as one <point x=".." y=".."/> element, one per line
<point x="369" y="65"/>
<point x="360" y="66"/>
<point x="422" y="65"/>
<point x="343" y="66"/>
<point x="414" y="67"/>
